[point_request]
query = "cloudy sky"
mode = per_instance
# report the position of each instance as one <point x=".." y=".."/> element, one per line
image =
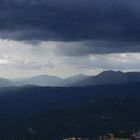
<point x="68" y="37"/>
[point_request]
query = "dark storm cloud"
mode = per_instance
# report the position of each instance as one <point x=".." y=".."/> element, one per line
<point x="70" y="20"/>
<point x="97" y="47"/>
<point x="73" y="20"/>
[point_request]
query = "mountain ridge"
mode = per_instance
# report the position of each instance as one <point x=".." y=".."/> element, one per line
<point x="103" y="78"/>
<point x="110" y="77"/>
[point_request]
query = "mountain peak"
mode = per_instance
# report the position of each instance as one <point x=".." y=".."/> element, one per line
<point x="110" y="72"/>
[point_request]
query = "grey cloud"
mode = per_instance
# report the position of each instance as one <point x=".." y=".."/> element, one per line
<point x="126" y="62"/>
<point x="30" y="65"/>
<point x="23" y="65"/>
<point x="50" y="65"/>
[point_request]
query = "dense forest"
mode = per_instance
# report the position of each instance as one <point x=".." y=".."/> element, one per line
<point x="40" y="113"/>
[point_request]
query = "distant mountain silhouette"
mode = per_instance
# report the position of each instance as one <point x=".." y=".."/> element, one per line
<point x="47" y="80"/>
<point x="73" y="79"/>
<point x="5" y="82"/>
<point x="42" y="80"/>
<point x="109" y="77"/>
<point x="103" y="78"/>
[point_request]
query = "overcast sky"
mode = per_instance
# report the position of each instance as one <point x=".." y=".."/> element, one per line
<point x="68" y="37"/>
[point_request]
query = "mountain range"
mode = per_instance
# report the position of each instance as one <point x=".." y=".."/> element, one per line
<point x="109" y="77"/>
<point x="81" y="105"/>
<point x="103" y="78"/>
<point x="42" y="80"/>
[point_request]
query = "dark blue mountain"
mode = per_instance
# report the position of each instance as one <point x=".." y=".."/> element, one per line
<point x="109" y="77"/>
